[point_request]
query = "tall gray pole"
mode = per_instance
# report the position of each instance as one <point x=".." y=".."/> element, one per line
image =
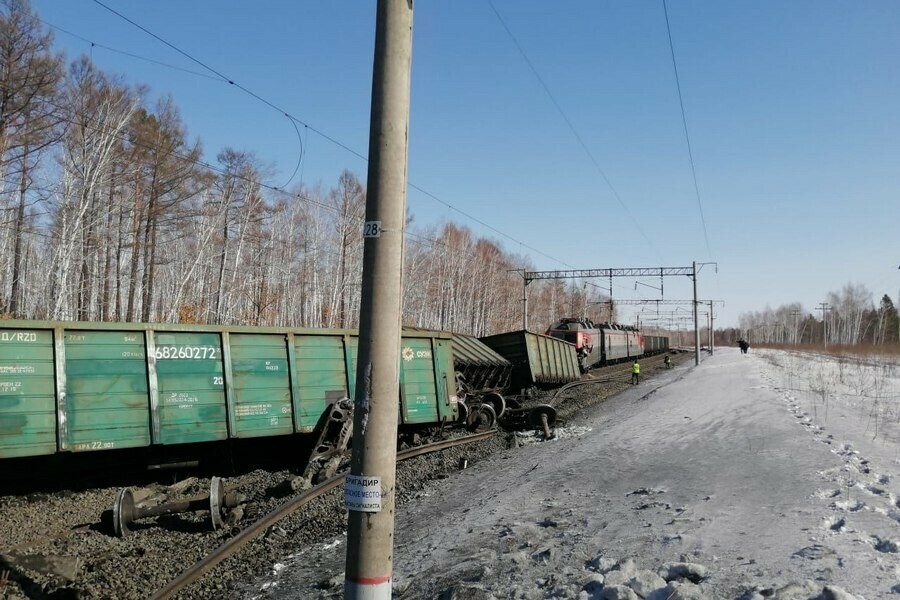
<point x="369" y="488"/>
<point x="696" y="320"/>
<point x="824" y="308"/>
<point x="524" y="302"/>
<point x="712" y="334"/>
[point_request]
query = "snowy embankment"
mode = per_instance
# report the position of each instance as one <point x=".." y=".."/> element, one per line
<point x="768" y="475"/>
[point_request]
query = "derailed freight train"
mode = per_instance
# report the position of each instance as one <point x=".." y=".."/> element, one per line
<point x="606" y="343"/>
<point x="69" y="388"/>
<point x="74" y="388"/>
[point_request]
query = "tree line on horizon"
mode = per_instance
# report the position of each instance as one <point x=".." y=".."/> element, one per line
<point x="109" y="212"/>
<point x="851" y="319"/>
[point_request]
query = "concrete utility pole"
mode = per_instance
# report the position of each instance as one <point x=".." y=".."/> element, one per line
<point x="525" y="283"/>
<point x="712" y="334"/>
<point x="524" y="300"/>
<point x="823" y="306"/>
<point x="696" y="319"/>
<point x="369" y="488"/>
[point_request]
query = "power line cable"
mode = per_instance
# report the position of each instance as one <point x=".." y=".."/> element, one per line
<point x="175" y="48"/>
<point x="491" y="227"/>
<point x="253" y="94"/>
<point x="571" y="126"/>
<point x="198" y="162"/>
<point x="299" y="158"/>
<point x="220" y="75"/>
<point x="129" y="54"/>
<point x="177" y="68"/>
<point x="687" y="136"/>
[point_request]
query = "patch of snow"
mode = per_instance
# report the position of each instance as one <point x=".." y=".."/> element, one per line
<point x="525" y="438"/>
<point x="769" y="475"/>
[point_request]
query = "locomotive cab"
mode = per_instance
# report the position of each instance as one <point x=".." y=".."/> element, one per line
<point x="584" y="334"/>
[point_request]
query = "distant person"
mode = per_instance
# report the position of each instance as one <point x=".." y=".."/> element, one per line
<point x="744" y="344"/>
<point x="635" y="373"/>
<point x="667" y="361"/>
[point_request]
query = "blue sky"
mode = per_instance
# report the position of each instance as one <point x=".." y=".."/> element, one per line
<point x="793" y="110"/>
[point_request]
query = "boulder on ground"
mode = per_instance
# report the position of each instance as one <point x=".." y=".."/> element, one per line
<point x="593" y="585"/>
<point x="797" y="591"/>
<point x="833" y="592"/>
<point x="467" y="591"/>
<point x="683" y="570"/>
<point x="622" y="572"/>
<point x="645" y="583"/>
<point x="678" y="590"/>
<point x="617" y="592"/>
<point x="602" y="564"/>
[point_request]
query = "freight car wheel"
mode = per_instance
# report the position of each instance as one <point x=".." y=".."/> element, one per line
<point x="482" y="418"/>
<point x="463" y="413"/>
<point x="462" y="388"/>
<point x="496" y="401"/>
<point x="216" y="503"/>
<point x="123" y="512"/>
<point x="544" y="409"/>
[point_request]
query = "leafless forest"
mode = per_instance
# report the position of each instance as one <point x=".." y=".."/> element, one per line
<point x="850" y="318"/>
<point x="110" y="212"/>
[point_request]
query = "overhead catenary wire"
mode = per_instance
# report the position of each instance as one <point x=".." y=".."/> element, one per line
<point x="571" y="126"/>
<point x="220" y="75"/>
<point x="160" y="63"/>
<point x="223" y="77"/>
<point x="687" y="135"/>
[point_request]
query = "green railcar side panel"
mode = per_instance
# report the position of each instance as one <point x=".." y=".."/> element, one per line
<point x="352" y="346"/>
<point x="544" y="364"/>
<point x="107" y="396"/>
<point x="418" y="388"/>
<point x="445" y="375"/>
<point x="535" y="358"/>
<point x="262" y="385"/>
<point x="191" y="383"/>
<point x="321" y="373"/>
<point x="27" y="393"/>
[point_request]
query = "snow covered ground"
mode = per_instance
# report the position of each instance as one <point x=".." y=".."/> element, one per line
<point x="768" y="475"/>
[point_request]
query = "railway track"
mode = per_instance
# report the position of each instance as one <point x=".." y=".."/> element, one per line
<point x="155" y="557"/>
<point x="615" y="374"/>
<point x="246" y="535"/>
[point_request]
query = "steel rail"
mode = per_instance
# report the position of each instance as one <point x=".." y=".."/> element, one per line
<point x="580" y="383"/>
<point x="227" y="549"/>
<point x="612" y="378"/>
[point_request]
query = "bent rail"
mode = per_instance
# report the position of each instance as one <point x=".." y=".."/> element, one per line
<point x="230" y="547"/>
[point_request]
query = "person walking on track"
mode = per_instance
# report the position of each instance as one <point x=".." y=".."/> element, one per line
<point x="668" y="362"/>
<point x="635" y="372"/>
